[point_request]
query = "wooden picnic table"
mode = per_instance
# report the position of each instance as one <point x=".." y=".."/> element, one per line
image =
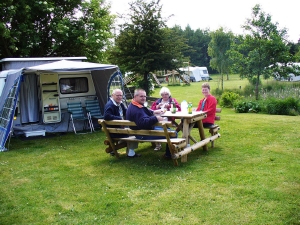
<point x="187" y="124"/>
<point x="179" y="147"/>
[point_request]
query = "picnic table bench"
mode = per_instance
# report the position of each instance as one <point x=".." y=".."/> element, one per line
<point x="215" y="128"/>
<point x="177" y="146"/>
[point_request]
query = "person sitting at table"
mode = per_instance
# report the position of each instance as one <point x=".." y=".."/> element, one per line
<point x="145" y="118"/>
<point x="116" y="110"/>
<point x="164" y="103"/>
<point x="207" y="104"/>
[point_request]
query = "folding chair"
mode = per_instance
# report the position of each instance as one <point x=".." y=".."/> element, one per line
<point x="93" y="111"/>
<point x="76" y="113"/>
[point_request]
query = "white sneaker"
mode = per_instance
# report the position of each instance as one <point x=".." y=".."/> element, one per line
<point x="157" y="148"/>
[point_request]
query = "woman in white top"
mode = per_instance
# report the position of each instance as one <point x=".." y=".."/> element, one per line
<point x="164" y="103"/>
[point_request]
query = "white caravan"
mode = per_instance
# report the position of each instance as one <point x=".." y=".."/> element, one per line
<point x="41" y="94"/>
<point x="196" y="73"/>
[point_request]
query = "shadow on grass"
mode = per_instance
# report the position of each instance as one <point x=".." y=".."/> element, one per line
<point x="48" y="135"/>
<point x="153" y="160"/>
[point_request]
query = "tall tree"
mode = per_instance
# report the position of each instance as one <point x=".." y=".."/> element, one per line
<point x="218" y="49"/>
<point x="55" y="28"/>
<point x="145" y="44"/>
<point x="263" y="50"/>
<point x="198" y="40"/>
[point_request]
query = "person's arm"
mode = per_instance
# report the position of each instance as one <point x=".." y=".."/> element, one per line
<point x="110" y="113"/>
<point x="154" y="105"/>
<point x="177" y="104"/>
<point x="144" y="120"/>
<point x="210" y="106"/>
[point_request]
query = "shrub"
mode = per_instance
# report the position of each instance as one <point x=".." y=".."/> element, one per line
<point x="228" y="99"/>
<point x="249" y="90"/>
<point x="247" y="106"/>
<point x="253" y="80"/>
<point x="287" y="106"/>
<point x="217" y="92"/>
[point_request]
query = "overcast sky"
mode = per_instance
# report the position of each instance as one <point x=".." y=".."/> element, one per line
<point x="230" y="14"/>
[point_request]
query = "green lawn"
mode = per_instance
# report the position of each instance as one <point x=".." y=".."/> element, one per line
<point x="250" y="177"/>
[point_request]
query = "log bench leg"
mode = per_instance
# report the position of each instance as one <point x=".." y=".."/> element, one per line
<point x="213" y="131"/>
<point x="116" y="146"/>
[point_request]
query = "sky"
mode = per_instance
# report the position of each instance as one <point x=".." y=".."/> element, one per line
<point x="229" y="14"/>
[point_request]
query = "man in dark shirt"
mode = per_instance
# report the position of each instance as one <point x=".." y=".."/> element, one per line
<point x="144" y="118"/>
<point x="116" y="110"/>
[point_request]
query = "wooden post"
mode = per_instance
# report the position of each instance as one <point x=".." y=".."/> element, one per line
<point x="196" y="146"/>
<point x="112" y="146"/>
<point x="185" y="134"/>
<point x="201" y="132"/>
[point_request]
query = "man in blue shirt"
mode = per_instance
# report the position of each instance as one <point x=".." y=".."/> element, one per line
<point x="144" y="118"/>
<point x="116" y="110"/>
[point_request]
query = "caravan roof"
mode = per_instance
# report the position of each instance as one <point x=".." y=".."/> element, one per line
<point x="66" y="65"/>
<point x="18" y="63"/>
<point x="41" y="59"/>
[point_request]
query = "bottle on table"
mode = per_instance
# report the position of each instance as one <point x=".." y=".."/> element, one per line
<point x="190" y="108"/>
<point x="184" y="106"/>
<point x="173" y="107"/>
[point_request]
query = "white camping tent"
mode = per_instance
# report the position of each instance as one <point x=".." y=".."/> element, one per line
<point x="23" y="88"/>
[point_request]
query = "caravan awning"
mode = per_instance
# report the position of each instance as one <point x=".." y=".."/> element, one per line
<point x="101" y="74"/>
<point x="66" y="65"/>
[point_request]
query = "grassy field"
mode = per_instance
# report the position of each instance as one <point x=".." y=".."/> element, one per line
<point x="250" y="177"/>
<point x="193" y="92"/>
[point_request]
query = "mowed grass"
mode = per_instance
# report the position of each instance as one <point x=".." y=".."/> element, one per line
<point x="250" y="177"/>
<point x="193" y="93"/>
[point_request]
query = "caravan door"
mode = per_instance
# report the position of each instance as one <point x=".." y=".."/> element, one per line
<point x="50" y="98"/>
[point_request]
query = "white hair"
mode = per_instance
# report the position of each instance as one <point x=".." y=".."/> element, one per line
<point x="116" y="90"/>
<point x="165" y="90"/>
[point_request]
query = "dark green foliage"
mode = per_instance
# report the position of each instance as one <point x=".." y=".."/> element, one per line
<point x="140" y="82"/>
<point x="218" y="50"/>
<point x="55" y="28"/>
<point x="262" y="46"/>
<point x="145" y="44"/>
<point x="198" y="41"/>
<point x="288" y="106"/>
<point x="228" y="99"/>
<point x="277" y="98"/>
<point x="253" y="80"/>
<point x="217" y="92"/>
<point x="247" y="106"/>
<point x="249" y="90"/>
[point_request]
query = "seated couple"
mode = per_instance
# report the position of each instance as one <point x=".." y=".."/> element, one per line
<point x="137" y="112"/>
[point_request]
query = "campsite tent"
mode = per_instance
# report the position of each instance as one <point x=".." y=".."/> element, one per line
<point x="22" y="88"/>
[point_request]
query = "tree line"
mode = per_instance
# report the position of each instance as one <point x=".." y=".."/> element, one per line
<point x="143" y="43"/>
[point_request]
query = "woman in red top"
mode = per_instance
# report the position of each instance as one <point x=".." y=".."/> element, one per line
<point x="207" y="104"/>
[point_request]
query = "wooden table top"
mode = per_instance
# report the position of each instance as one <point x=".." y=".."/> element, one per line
<point x="179" y="115"/>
